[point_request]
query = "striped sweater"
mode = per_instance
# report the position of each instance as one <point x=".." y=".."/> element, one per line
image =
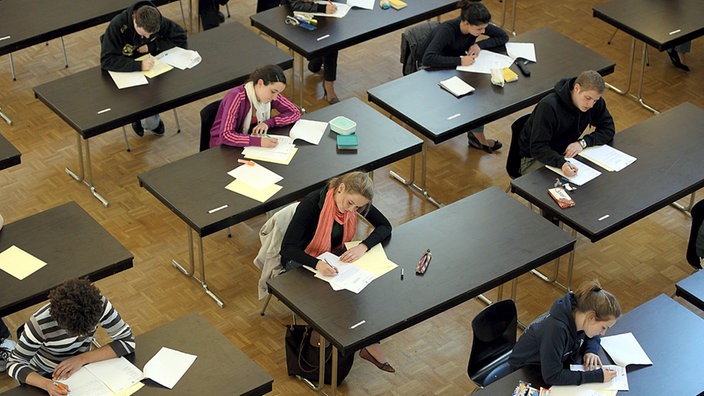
<point x="234" y="108"/>
<point x="43" y="344"/>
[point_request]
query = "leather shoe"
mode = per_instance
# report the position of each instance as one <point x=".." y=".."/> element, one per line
<point x="474" y="142"/>
<point x="364" y="354"/>
<point x="160" y="129"/>
<point x="675" y="59"/>
<point x="137" y="128"/>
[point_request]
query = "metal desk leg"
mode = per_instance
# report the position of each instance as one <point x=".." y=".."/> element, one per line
<point x="191" y="272"/>
<point x="410" y="182"/>
<point x="63" y="48"/>
<point x="300" y="82"/>
<point x="687" y="210"/>
<point x="5" y="117"/>
<point x="88" y="182"/>
<point x="638" y="98"/>
<point x="570" y="268"/>
<point x="12" y="68"/>
<point x="503" y="17"/>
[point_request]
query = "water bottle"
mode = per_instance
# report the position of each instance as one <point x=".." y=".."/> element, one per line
<point x="384" y="4"/>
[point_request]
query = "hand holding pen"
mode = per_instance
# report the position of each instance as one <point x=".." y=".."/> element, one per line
<point x="326" y="268"/>
<point x="330" y="8"/>
<point x="569" y="169"/>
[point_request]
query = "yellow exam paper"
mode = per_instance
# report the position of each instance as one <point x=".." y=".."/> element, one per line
<point x="132" y="389"/>
<point x="19" y="263"/>
<point x="245" y="189"/>
<point x="158" y="68"/>
<point x="374" y="260"/>
<point x="275" y="160"/>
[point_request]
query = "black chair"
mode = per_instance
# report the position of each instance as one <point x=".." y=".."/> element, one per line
<point x="263" y="5"/>
<point x="207" y="118"/>
<point x="494" y="331"/>
<point x="513" y="160"/>
<point x="697" y="219"/>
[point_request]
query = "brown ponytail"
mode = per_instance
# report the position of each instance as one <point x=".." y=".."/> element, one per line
<point x="591" y="297"/>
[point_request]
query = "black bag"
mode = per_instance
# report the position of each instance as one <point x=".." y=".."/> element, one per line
<point x="303" y="355"/>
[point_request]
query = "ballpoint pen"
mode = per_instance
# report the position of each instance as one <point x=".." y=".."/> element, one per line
<point x="60" y="386"/>
<point x="331" y="266"/>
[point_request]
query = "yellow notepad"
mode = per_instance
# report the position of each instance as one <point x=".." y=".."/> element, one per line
<point x="509" y="75"/>
<point x="397" y="4"/>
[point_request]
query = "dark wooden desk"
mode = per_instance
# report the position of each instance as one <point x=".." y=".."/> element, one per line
<point x="662" y="24"/>
<point x="192" y="186"/>
<point x="478" y="243"/>
<point x="670" y="335"/>
<point x="357" y="26"/>
<point x="78" y="98"/>
<point x="417" y="100"/>
<point x="220" y="369"/>
<point x="9" y="155"/>
<point x="692" y="289"/>
<point x="30" y="22"/>
<point x="71" y="243"/>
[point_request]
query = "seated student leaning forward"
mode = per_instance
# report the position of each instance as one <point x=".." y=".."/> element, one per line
<point x="56" y="341"/>
<point x="324" y="221"/>
<point x="571" y="331"/>
<point x="244" y="115"/>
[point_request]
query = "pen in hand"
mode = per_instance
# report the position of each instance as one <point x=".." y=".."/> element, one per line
<point x="332" y="266"/>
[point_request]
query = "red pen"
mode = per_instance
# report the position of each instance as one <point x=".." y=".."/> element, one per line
<point x="246" y="162"/>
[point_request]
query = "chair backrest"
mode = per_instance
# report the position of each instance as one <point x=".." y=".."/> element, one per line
<point x="263" y="5"/>
<point x="697" y="219"/>
<point x="494" y="335"/>
<point x="207" y="118"/>
<point x="513" y="160"/>
<point x="410" y="39"/>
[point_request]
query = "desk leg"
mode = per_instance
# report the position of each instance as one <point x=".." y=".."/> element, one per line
<point x="191" y="272"/>
<point x="410" y="182"/>
<point x="88" y="182"/>
<point x="12" y="68"/>
<point x="300" y="82"/>
<point x="638" y="98"/>
<point x="5" y="117"/>
<point x="503" y="17"/>
<point x="570" y="267"/>
<point x="687" y="210"/>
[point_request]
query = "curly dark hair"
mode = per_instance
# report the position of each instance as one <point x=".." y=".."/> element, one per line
<point x="76" y="305"/>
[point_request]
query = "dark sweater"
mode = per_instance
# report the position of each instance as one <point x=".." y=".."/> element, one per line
<point x="118" y="46"/>
<point x="305" y="221"/>
<point x="553" y="342"/>
<point x="556" y="122"/>
<point x="447" y="43"/>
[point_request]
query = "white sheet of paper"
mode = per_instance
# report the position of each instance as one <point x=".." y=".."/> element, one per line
<point x="342" y="10"/>
<point x="607" y="157"/>
<point x="585" y="172"/>
<point x="308" y="130"/>
<point x="366" y="4"/>
<point x="579" y="391"/>
<point x="486" y="61"/>
<point x="128" y="79"/>
<point x="619" y="382"/>
<point x="168" y="366"/>
<point x="349" y="276"/>
<point x="273" y="157"/>
<point x="521" y="50"/>
<point x="624" y="349"/>
<point x="19" y="263"/>
<point x="117" y="373"/>
<point x="256" y="176"/>
<point x="180" y="58"/>
<point x="83" y="382"/>
<point x="456" y="86"/>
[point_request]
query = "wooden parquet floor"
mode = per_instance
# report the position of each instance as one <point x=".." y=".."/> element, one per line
<point x="637" y="263"/>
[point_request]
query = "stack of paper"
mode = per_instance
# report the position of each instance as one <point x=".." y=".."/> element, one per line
<point x="488" y="60"/>
<point x="624" y="349"/>
<point x="607" y="157"/>
<point x="180" y="58"/>
<point x="342" y="10"/>
<point x="308" y="130"/>
<point x="254" y="181"/>
<point x="456" y="86"/>
<point x="19" y="263"/>
<point x="357" y="275"/>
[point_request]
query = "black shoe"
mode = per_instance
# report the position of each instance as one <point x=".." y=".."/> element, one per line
<point x="159" y="129"/>
<point x="137" y="128"/>
<point x="315" y="65"/>
<point x="474" y="142"/>
<point x="221" y="17"/>
<point x="676" y="60"/>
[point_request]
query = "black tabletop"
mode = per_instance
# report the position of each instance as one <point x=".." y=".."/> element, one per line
<point x="659" y="23"/>
<point x="692" y="289"/>
<point x="663" y="173"/>
<point x="417" y="100"/>
<point x="193" y="185"/>
<point x="670" y="335"/>
<point x="9" y="155"/>
<point x="230" y="53"/>
<point x="357" y="26"/>
<point x="30" y="22"/>
<point x="219" y="369"/>
<point x="477" y="243"/>
<point x="71" y="243"/>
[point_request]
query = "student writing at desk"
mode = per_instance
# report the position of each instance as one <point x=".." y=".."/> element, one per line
<point x="139" y="30"/>
<point x="454" y="43"/>
<point x="244" y="115"/>
<point x="324" y="221"/>
<point x="328" y="61"/>
<point x="553" y="132"/>
<point x="56" y="341"/>
<point x="571" y="330"/>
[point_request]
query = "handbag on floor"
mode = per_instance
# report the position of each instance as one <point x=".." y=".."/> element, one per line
<point x="303" y="355"/>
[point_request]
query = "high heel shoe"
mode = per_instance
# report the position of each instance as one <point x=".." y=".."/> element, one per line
<point x="331" y="100"/>
<point x="675" y="59"/>
<point x="364" y="354"/>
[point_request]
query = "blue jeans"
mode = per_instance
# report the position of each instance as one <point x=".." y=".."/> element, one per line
<point x="151" y="122"/>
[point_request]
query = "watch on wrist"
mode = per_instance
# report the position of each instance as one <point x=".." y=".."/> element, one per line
<point x="583" y="143"/>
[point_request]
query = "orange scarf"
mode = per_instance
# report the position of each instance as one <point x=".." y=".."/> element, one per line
<point x="321" y="240"/>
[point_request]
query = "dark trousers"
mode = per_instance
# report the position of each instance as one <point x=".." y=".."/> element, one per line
<point x="4" y="331"/>
<point x="329" y="62"/>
